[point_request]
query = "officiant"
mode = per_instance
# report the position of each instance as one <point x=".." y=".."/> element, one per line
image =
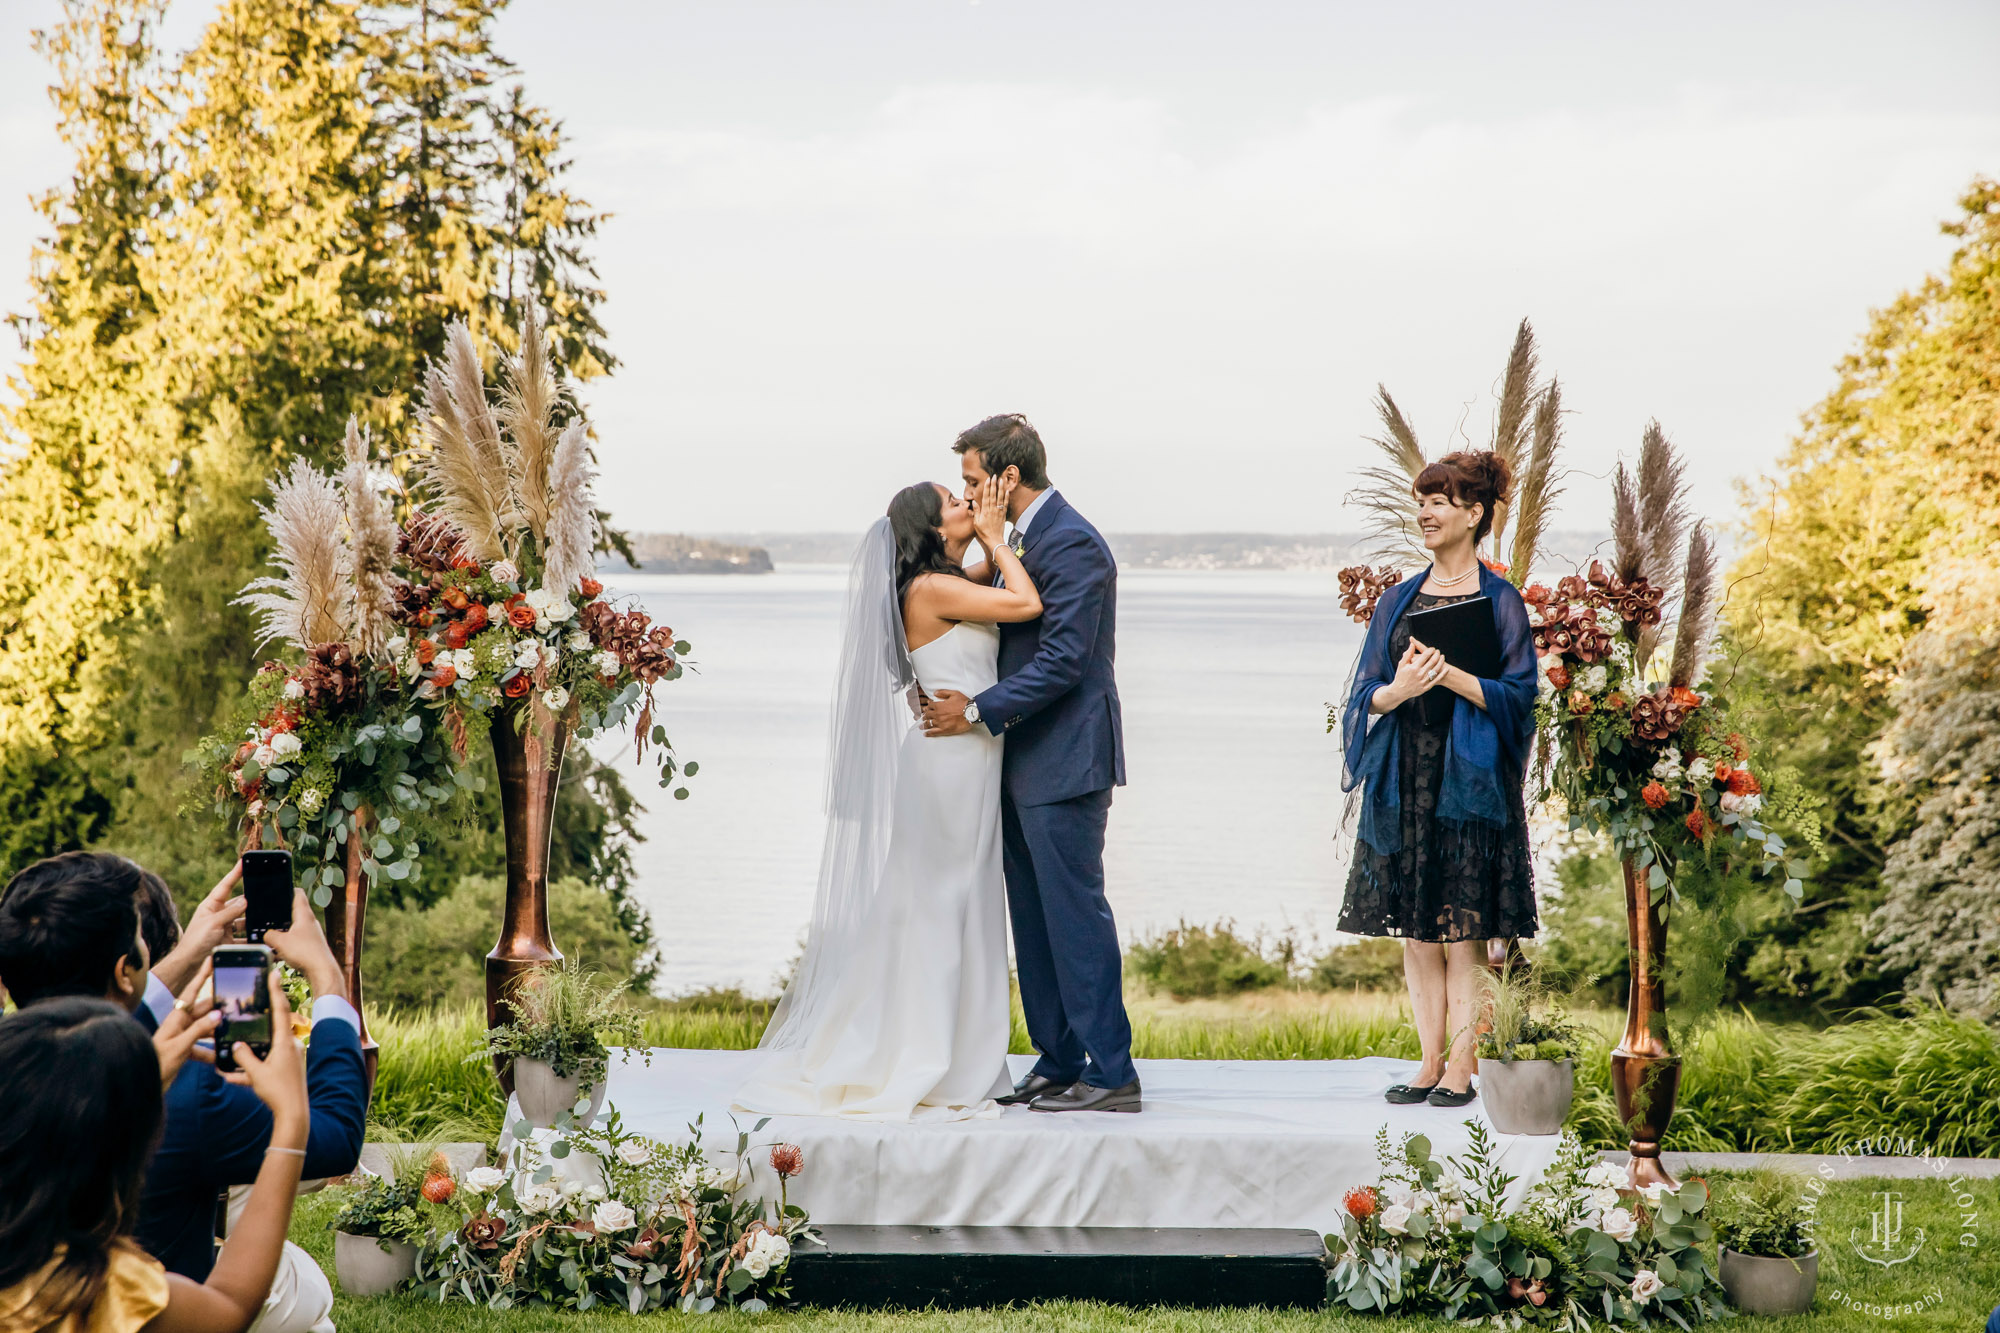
<point x="1435" y="761"/>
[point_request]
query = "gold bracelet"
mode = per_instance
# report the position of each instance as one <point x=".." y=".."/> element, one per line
<point x="294" y="1152"/>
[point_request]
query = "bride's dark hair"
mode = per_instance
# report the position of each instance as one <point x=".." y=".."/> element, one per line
<point x="916" y="516"/>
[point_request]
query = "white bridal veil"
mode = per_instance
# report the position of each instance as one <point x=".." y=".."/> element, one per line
<point x="871" y="716"/>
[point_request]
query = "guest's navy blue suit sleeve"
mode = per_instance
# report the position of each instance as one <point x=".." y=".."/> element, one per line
<point x="236" y="1127"/>
<point x="1076" y="571"/>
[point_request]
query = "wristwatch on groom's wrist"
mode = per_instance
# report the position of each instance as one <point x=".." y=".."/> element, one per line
<point x="972" y="712"/>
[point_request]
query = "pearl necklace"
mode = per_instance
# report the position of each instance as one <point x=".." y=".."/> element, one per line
<point x="1444" y="582"/>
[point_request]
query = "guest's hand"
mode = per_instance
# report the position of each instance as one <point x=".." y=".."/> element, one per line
<point x="305" y="949"/>
<point x="191" y="1020"/>
<point x="279" y="1079"/>
<point x="212" y="923"/>
<point x="944" y="715"/>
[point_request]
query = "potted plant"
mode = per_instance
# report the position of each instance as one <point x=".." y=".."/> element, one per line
<point x="1527" y="1054"/>
<point x="559" y="1017"/>
<point x="1769" y="1263"/>
<point x="376" y="1236"/>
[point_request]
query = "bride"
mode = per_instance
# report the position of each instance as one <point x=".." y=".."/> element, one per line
<point x="898" y="1011"/>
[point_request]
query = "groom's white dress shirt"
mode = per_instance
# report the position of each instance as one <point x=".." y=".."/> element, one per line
<point x="1027" y="518"/>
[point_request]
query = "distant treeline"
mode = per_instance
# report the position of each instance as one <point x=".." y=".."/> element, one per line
<point x="672" y="553"/>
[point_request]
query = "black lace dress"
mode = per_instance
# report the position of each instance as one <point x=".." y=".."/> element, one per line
<point x="1447" y="882"/>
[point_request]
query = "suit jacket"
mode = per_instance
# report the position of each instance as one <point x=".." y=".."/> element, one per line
<point x="216" y="1133"/>
<point x="1057" y="699"/>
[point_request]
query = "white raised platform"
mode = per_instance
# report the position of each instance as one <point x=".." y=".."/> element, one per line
<point x="1221" y="1143"/>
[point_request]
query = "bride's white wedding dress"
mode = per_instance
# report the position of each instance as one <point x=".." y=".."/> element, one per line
<point x="911" y="1021"/>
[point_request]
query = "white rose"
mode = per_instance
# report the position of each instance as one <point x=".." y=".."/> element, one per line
<point x="1604" y="1197"/>
<point x="1449" y="1186"/>
<point x="1732" y="802"/>
<point x="537" y="1198"/>
<point x="756" y="1265"/>
<point x="634" y="1152"/>
<point x="484" y="1179"/>
<point x="1751" y="804"/>
<point x="497" y="612"/>
<point x="1396" y="1220"/>
<point x="691" y="1180"/>
<point x="1700" y="770"/>
<point x="295" y="689"/>
<point x="572" y="1188"/>
<point x="596" y="1194"/>
<point x="607" y="663"/>
<point x="528" y="655"/>
<point x="1604" y="1176"/>
<point x="286" y="744"/>
<point x="1596" y="679"/>
<point x="612" y="1215"/>
<point x="578" y="640"/>
<point x="560" y="609"/>
<point x="504" y="571"/>
<point x="1651" y="1194"/>
<point x="1669" y="769"/>
<point x="774" y="1247"/>
<point x="555" y="698"/>
<point x="265" y="756"/>
<point x="1646" y="1284"/>
<point x="1618" y="1224"/>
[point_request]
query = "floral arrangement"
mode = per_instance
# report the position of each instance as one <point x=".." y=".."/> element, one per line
<point x="561" y="1016"/>
<point x="1362" y="587"/>
<point x="1524" y="1019"/>
<point x="412" y="639"/>
<point x="1765" y="1216"/>
<point x="1437" y="1238"/>
<point x="1648" y="757"/>
<point x="392" y="1208"/>
<point x="645" y="1226"/>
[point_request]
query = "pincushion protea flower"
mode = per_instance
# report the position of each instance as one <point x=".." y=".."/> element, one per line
<point x="787" y="1159"/>
<point x="1360" y="1202"/>
<point x="1654" y="795"/>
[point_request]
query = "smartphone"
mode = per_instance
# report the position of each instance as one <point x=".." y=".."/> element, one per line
<point x="243" y="997"/>
<point x="267" y="893"/>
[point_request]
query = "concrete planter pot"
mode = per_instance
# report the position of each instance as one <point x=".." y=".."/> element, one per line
<point x="366" y="1269"/>
<point x="1757" y="1284"/>
<point x="543" y="1096"/>
<point x="1527" y="1096"/>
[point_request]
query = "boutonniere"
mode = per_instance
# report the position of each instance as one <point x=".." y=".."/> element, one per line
<point x="1020" y="548"/>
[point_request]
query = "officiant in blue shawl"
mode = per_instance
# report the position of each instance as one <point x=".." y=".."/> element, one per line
<point x="1441" y="857"/>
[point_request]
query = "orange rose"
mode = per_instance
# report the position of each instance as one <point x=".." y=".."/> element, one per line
<point x="1654" y="795"/>
<point x="426" y="650"/>
<point x="1722" y="772"/>
<point x="444" y="677"/>
<point x="475" y="618"/>
<point x="426" y="618"/>
<point x="1685" y="697"/>
<point x="520" y="615"/>
<point x="1559" y="676"/>
<point x="1697" y="824"/>
<point x="517" y="685"/>
<point x="591" y="587"/>
<point x="1744" y="783"/>
<point x="465" y="562"/>
<point x="456" y="599"/>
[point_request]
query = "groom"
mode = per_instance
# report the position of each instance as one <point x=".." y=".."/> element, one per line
<point x="1057" y="704"/>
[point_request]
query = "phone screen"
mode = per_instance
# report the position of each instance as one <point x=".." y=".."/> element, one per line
<point x="267" y="892"/>
<point x="243" y="998"/>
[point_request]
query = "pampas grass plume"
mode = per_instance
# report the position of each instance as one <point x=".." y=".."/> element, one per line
<point x="309" y="603"/>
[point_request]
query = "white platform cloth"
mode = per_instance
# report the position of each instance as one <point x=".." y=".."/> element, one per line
<point x="1221" y="1143"/>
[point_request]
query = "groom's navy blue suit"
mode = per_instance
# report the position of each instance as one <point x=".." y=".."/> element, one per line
<point x="1057" y="704"/>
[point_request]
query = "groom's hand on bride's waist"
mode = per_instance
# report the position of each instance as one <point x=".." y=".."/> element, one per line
<point x="944" y="714"/>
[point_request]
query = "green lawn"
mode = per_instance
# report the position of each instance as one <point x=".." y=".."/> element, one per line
<point x="1964" y="1283"/>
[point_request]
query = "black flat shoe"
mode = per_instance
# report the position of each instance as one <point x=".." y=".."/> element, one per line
<point x="1406" y="1094"/>
<point x="1446" y="1097"/>
<point x="1030" y="1087"/>
<point x="1085" y="1097"/>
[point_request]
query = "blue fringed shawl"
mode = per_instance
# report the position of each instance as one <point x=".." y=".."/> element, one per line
<point x="1487" y="748"/>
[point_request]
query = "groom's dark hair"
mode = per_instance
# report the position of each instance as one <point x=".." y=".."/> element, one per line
<point x="1008" y="441"/>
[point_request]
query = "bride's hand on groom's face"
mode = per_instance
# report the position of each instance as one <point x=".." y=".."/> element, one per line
<point x="944" y="714"/>
<point x="989" y="511"/>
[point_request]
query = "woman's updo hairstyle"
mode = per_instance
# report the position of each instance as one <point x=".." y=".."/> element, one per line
<point x="1470" y="477"/>
<point x="916" y="515"/>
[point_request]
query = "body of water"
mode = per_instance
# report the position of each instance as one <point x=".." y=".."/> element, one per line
<point x="1234" y="788"/>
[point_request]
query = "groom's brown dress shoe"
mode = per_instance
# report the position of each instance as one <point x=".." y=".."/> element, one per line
<point x="1030" y="1087"/>
<point x="1084" y="1097"/>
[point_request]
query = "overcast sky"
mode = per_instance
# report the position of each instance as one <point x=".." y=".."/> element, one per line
<point x="1188" y="239"/>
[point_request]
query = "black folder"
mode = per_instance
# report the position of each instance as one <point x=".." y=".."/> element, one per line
<point x="1465" y="633"/>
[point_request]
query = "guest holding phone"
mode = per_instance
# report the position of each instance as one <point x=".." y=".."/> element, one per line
<point x="76" y="925"/>
<point x="1441" y="855"/>
<point x="81" y="1087"/>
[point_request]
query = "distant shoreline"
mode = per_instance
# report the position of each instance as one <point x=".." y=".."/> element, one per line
<point x="758" y="552"/>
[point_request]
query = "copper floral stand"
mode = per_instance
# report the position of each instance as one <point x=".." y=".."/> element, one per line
<point x="1645" y="1072"/>
<point x="530" y="765"/>
<point x="345" y="917"/>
